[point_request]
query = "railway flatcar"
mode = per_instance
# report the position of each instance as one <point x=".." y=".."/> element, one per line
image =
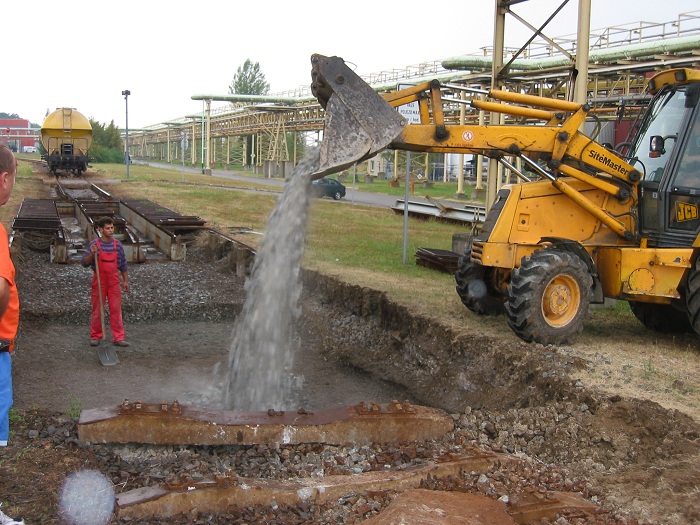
<point x="66" y="136"/>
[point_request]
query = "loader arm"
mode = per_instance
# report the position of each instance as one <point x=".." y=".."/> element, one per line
<point x="360" y="123"/>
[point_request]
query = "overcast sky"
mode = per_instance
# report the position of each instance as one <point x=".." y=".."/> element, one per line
<point x="83" y="54"/>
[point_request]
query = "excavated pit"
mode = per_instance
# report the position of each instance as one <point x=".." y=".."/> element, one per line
<point x="356" y="345"/>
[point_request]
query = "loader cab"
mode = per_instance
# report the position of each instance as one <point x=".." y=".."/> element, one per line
<point x="667" y="149"/>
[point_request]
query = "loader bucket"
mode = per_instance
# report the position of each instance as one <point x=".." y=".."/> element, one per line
<point x="358" y="123"/>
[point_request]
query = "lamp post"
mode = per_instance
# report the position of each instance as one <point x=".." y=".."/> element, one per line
<point x="127" y="158"/>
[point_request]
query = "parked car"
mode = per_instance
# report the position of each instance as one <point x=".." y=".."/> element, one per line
<point x="325" y="187"/>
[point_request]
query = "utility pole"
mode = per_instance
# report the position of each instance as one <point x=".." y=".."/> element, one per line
<point x="127" y="157"/>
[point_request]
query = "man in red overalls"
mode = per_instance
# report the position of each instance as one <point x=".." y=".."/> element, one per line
<point x="106" y="256"/>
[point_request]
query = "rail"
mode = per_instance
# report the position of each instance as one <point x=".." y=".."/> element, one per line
<point x="468" y="213"/>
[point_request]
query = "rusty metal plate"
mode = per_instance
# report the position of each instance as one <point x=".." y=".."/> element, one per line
<point x="173" y="424"/>
<point x="226" y="492"/>
<point x="435" y="507"/>
<point x="534" y="507"/>
<point x="216" y="496"/>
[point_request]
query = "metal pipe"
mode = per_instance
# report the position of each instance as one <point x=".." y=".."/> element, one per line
<point x="466" y="88"/>
<point x="670" y="45"/>
<point x="252" y="98"/>
<point x="537" y="168"/>
<point x="514" y="169"/>
<point x="127" y="157"/>
<point x="582" y="51"/>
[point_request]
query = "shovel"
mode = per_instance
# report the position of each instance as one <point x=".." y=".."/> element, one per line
<point x="106" y="353"/>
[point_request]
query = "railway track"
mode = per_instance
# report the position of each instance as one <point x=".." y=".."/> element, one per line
<point x="64" y="223"/>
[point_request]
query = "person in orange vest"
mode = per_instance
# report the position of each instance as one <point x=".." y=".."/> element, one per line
<point x="106" y="255"/>
<point x="9" y="298"/>
<point x="9" y="308"/>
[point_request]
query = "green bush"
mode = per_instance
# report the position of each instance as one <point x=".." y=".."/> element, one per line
<point x="102" y="154"/>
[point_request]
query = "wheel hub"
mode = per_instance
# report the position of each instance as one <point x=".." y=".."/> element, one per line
<point x="560" y="300"/>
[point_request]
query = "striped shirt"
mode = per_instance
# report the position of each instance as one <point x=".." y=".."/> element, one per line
<point x="107" y="247"/>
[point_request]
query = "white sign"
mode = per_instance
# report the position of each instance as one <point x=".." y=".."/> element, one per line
<point x="410" y="111"/>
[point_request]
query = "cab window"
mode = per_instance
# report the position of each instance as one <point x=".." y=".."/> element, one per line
<point x="688" y="173"/>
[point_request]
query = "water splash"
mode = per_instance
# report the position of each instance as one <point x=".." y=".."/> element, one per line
<point x="264" y="344"/>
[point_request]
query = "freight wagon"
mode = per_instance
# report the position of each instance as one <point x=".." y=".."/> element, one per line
<point x="66" y="136"/>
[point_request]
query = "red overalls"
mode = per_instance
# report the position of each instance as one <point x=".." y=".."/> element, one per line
<point x="111" y="292"/>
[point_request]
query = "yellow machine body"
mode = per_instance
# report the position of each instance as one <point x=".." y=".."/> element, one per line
<point x="591" y="224"/>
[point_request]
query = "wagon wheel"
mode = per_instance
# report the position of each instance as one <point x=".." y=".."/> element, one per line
<point x="548" y="296"/>
<point x="477" y="287"/>
<point x="663" y="318"/>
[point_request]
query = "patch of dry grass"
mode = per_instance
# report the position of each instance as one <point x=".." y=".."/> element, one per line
<point x="220" y="208"/>
<point x="624" y="358"/>
<point x="27" y="185"/>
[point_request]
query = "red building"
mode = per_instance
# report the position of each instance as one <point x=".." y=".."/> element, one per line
<point x="16" y="133"/>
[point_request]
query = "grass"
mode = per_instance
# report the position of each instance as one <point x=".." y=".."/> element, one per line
<point x="649" y="370"/>
<point x="75" y="406"/>
<point x="372" y="237"/>
<point x="143" y="173"/>
<point x="436" y="190"/>
<point x="15" y="417"/>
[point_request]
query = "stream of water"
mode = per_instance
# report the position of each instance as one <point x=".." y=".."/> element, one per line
<point x="264" y="341"/>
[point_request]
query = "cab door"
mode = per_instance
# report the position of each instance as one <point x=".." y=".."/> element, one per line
<point x="669" y="191"/>
<point x="682" y="211"/>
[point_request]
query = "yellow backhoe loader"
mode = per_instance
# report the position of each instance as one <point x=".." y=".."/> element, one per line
<point x="584" y="224"/>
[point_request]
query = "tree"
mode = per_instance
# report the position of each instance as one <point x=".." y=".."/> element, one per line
<point x="107" y="136"/>
<point x="249" y="80"/>
<point x="107" y="145"/>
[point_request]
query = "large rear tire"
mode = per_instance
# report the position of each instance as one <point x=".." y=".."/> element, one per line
<point x="548" y="296"/>
<point x="692" y="297"/>
<point x="476" y="287"/>
<point x="662" y="318"/>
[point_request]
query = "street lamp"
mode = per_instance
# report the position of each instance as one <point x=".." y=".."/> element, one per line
<point x="127" y="158"/>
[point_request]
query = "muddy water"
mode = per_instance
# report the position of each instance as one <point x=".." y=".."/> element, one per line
<point x="263" y="345"/>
